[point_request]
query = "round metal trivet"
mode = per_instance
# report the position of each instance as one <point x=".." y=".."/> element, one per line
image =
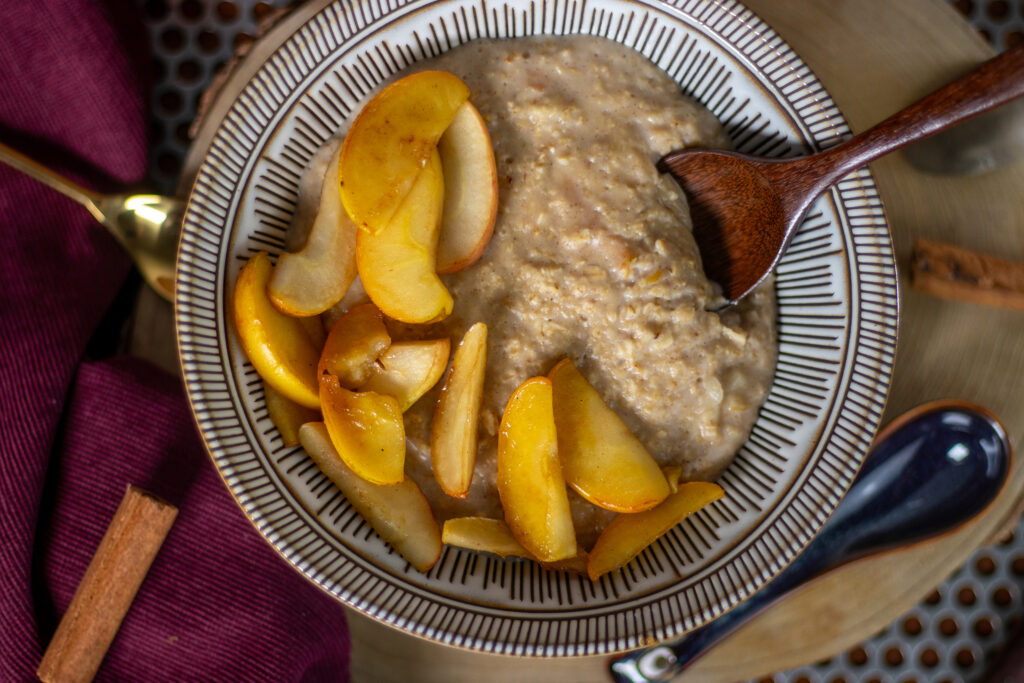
<point x="953" y="635"/>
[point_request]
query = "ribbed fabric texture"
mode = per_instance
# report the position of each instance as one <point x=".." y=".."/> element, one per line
<point x="218" y="603"/>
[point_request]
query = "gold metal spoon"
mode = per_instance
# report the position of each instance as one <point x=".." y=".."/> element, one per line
<point x="147" y="225"/>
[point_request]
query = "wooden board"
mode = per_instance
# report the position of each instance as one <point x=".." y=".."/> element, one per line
<point x="874" y="56"/>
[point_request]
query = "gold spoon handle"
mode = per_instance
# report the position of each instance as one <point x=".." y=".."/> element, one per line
<point x="69" y="188"/>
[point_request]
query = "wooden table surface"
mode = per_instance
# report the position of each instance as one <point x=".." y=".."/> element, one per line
<point x="874" y="57"/>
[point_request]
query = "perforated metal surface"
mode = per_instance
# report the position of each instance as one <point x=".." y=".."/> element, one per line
<point x="191" y="41"/>
<point x="953" y="635"/>
<point x="1001" y="22"/>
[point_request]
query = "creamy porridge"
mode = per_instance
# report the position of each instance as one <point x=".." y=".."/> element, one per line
<point x="592" y="258"/>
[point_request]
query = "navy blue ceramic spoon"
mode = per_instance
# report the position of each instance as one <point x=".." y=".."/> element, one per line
<point x="928" y="472"/>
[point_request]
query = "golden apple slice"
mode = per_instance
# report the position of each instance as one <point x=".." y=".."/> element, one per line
<point x="353" y="297"/>
<point x="400" y="514"/>
<point x="471" y="190"/>
<point x="673" y="473"/>
<point x="314" y="327"/>
<point x="355" y="343"/>
<point x="530" y="482"/>
<point x="390" y="142"/>
<point x="493" y="536"/>
<point x="482" y="534"/>
<point x="453" y="433"/>
<point x="366" y="429"/>
<point x="407" y="370"/>
<point x="601" y="459"/>
<point x="277" y="345"/>
<point x="576" y="564"/>
<point x="310" y="191"/>
<point x="397" y="265"/>
<point x="626" y="535"/>
<point x="311" y="280"/>
<point x="287" y="415"/>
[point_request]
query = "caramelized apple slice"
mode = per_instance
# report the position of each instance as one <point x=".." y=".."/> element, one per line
<point x="576" y="564"/>
<point x="276" y="344"/>
<point x="483" y="534"/>
<point x="453" y="433"/>
<point x="407" y="370"/>
<point x="355" y="296"/>
<point x="355" y="343"/>
<point x="493" y="536"/>
<point x="310" y="192"/>
<point x="673" y="473"/>
<point x="530" y="482"/>
<point x="400" y="514"/>
<point x="366" y="429"/>
<point x="397" y="265"/>
<point x="471" y="190"/>
<point x="314" y="327"/>
<point x="311" y="280"/>
<point x="626" y="535"/>
<point x="601" y="459"/>
<point x="287" y="415"/>
<point x="390" y="142"/>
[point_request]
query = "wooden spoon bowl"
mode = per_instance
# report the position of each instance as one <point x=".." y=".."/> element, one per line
<point x="746" y="209"/>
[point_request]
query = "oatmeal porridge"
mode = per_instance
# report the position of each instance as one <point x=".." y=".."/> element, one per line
<point x="592" y="258"/>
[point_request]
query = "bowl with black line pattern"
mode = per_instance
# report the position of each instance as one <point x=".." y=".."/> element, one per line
<point x="837" y="322"/>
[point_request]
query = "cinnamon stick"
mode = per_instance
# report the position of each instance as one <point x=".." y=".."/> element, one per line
<point x="105" y="593"/>
<point x="952" y="272"/>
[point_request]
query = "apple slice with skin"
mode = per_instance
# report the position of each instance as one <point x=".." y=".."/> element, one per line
<point x="601" y="459"/>
<point x="287" y="415"/>
<point x="471" y="190"/>
<point x="366" y="429"/>
<point x="627" y="535"/>
<point x="576" y="564"/>
<point x="353" y="297"/>
<point x="354" y="344"/>
<point x="407" y="370"/>
<point x="311" y="280"/>
<point x="277" y="345"/>
<point x="483" y="534"/>
<point x="314" y="327"/>
<point x="397" y="265"/>
<point x="390" y="142"/>
<point x="673" y="473"/>
<point x="400" y="514"/>
<point x="453" y="433"/>
<point x="310" y="192"/>
<point x="530" y="482"/>
<point x="493" y="536"/>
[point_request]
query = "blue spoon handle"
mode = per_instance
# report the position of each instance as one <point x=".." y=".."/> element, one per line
<point x="931" y="470"/>
<point x="664" y="661"/>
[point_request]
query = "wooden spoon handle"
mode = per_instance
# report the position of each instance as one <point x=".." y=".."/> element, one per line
<point x="992" y="84"/>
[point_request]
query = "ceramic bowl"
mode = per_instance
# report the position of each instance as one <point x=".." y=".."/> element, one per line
<point x="837" y="306"/>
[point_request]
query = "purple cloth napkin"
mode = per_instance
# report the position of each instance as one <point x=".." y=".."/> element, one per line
<point x="218" y="602"/>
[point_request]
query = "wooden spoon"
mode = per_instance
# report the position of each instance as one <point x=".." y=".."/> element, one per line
<point x="746" y="209"/>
